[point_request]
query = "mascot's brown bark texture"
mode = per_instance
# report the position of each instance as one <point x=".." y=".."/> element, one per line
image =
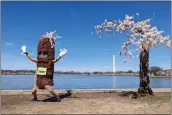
<point x="45" y="66"/>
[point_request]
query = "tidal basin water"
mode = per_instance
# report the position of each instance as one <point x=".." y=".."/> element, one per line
<point x="26" y="82"/>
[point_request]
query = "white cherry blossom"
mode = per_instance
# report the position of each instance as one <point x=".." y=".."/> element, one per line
<point x="50" y="36"/>
<point x="140" y="33"/>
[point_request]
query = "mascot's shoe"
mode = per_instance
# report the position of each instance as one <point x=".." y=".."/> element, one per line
<point x="59" y="100"/>
<point x="34" y="99"/>
<point x="70" y="96"/>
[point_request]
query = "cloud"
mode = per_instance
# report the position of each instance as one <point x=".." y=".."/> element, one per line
<point x="137" y="14"/>
<point x="85" y="68"/>
<point x="9" y="44"/>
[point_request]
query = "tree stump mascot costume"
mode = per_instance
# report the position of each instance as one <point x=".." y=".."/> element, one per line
<point x="45" y="64"/>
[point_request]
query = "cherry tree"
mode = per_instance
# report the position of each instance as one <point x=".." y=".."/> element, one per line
<point x="143" y="36"/>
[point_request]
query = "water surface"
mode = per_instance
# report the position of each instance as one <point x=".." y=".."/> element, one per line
<point x="26" y="82"/>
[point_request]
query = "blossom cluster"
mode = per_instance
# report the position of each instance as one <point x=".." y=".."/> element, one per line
<point x="140" y="33"/>
<point x="50" y="36"/>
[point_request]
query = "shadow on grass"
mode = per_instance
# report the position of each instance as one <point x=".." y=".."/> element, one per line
<point x="131" y="94"/>
<point x="134" y="95"/>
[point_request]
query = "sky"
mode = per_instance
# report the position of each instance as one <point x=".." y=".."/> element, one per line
<point x="24" y="22"/>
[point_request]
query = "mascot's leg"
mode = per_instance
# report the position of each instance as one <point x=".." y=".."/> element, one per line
<point x="34" y="90"/>
<point x="34" y="93"/>
<point x="50" y="89"/>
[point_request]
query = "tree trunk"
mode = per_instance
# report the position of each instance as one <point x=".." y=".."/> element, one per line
<point x="144" y="87"/>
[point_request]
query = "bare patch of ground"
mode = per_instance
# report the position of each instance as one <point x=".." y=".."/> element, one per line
<point x="87" y="103"/>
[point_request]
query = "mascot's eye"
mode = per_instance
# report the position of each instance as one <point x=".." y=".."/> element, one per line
<point x="45" y="52"/>
<point x="39" y="53"/>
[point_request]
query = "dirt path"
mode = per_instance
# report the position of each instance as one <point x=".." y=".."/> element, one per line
<point x="87" y="103"/>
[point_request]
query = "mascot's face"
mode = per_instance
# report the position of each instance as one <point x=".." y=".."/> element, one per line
<point x="45" y="50"/>
<point x="43" y="54"/>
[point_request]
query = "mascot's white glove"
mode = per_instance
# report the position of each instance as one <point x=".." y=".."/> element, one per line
<point x="24" y="49"/>
<point x="62" y="52"/>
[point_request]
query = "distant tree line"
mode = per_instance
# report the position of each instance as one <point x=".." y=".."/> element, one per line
<point x="152" y="70"/>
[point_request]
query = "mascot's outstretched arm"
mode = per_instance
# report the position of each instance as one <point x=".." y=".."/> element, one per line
<point x="62" y="53"/>
<point x="27" y="54"/>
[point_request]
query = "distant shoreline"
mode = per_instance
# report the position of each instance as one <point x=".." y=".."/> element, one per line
<point x="161" y="76"/>
<point x="75" y="74"/>
<point x="158" y="76"/>
<point x="98" y="75"/>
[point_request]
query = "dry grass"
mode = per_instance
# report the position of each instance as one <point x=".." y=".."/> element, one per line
<point x="87" y="103"/>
